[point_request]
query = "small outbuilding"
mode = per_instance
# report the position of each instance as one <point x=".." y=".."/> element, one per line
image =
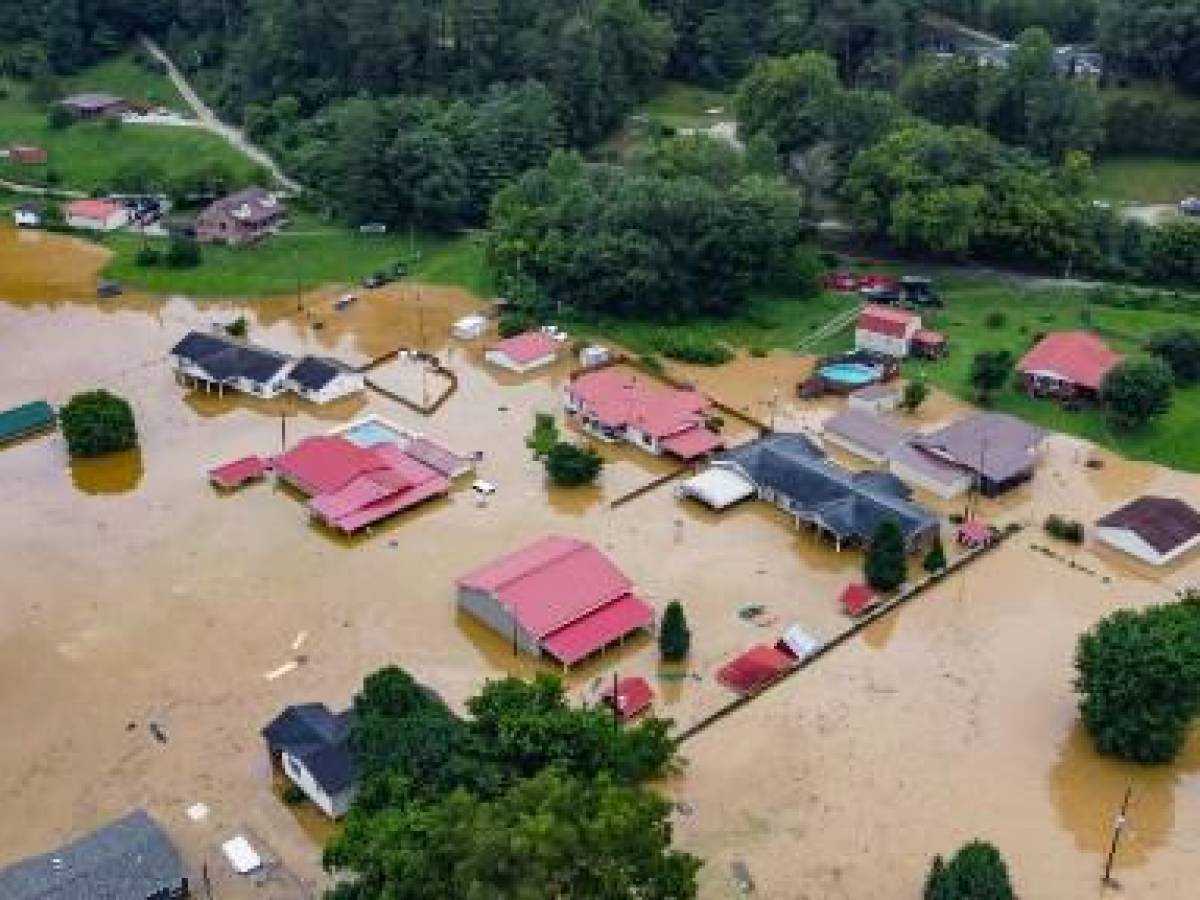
<point x="27" y="215"/>
<point x="524" y="352"/>
<point x="233" y="475"/>
<point x="28" y="155"/>
<point x="25" y="420"/>
<point x="1155" y="530"/>
<point x="94" y="105"/>
<point x="886" y="330"/>
<point x="312" y="747"/>
<point x="857" y="599"/>
<point x="629" y="697"/>
<point x="469" y="328"/>
<point x="95" y="215"/>
<point x="755" y="669"/>
<point x="718" y="488"/>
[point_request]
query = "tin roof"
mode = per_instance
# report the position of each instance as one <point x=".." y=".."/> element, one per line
<point x="1165" y="523"/>
<point x="1078" y="357"/>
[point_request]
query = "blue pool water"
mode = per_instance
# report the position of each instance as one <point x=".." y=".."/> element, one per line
<point x="369" y="434"/>
<point x="850" y="373"/>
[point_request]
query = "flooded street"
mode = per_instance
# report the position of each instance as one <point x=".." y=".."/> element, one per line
<point x="132" y="593"/>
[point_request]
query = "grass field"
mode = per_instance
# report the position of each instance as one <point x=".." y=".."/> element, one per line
<point x="687" y="106"/>
<point x="125" y="77"/>
<point x="309" y="252"/>
<point x="85" y="156"/>
<point x="1027" y="314"/>
<point x="1147" y="179"/>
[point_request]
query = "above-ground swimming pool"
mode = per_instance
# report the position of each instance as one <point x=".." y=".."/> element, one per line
<point x="372" y="432"/>
<point x="850" y="373"/>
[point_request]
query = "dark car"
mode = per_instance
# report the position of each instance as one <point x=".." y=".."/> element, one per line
<point x="106" y="289"/>
<point x="918" y="290"/>
<point x="885" y="296"/>
<point x="377" y="280"/>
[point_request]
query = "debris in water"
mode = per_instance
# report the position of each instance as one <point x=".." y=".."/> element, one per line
<point x="130" y="726"/>
<point x="281" y="671"/>
<point x="741" y="876"/>
<point x="751" y="611"/>
<point x="300" y="639"/>
<point x="685" y="808"/>
<point x="197" y="812"/>
<point x="159" y="734"/>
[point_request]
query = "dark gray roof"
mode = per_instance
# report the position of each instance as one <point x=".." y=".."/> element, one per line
<point x="1164" y="523"/>
<point x="128" y="859"/>
<point x="852" y="505"/>
<point x="997" y="446"/>
<point x="252" y="206"/>
<point x="314" y="372"/>
<point x="224" y="358"/>
<point x="318" y="738"/>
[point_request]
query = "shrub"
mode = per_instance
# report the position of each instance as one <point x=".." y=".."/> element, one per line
<point x="1138" y="680"/>
<point x="544" y="436"/>
<point x="758" y="352"/>
<point x="915" y="393"/>
<point x="995" y="320"/>
<point x="292" y="794"/>
<point x="674" y="636"/>
<point x="238" y="327"/>
<point x="182" y="253"/>
<point x="514" y="322"/>
<point x="976" y="872"/>
<point x="692" y="349"/>
<point x="1180" y="350"/>
<point x="97" y="422"/>
<point x="989" y="371"/>
<point x="1136" y="391"/>
<point x="59" y="117"/>
<point x="572" y="466"/>
<point x="886" y="563"/>
<point x="935" y="559"/>
<point x="1064" y="529"/>
<point x="146" y="257"/>
<point x="650" y="363"/>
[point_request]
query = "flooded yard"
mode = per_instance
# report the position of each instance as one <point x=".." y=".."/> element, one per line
<point x="132" y="594"/>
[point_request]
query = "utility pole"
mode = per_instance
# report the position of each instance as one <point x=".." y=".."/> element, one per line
<point x="296" y="270"/>
<point x="1118" y="829"/>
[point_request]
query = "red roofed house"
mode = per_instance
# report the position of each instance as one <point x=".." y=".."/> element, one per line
<point x="755" y="669"/>
<point x="616" y="405"/>
<point x="524" y="352"/>
<point x="629" y="697"/>
<point x="1067" y="364"/>
<point x="559" y="596"/>
<point x="239" y="472"/>
<point x="885" y="329"/>
<point x="95" y="215"/>
<point x="351" y="487"/>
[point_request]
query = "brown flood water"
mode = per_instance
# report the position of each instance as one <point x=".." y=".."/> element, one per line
<point x="132" y="593"/>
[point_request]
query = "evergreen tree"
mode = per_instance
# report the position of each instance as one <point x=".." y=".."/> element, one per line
<point x="886" y="563"/>
<point x="976" y="872"/>
<point x="97" y="422"/>
<point x="935" y="559"/>
<point x="571" y="466"/>
<point x="674" y="636"/>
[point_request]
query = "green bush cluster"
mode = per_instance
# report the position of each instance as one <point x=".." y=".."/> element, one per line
<point x="1064" y="529"/>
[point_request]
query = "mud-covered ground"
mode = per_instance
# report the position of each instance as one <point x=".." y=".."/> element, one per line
<point x="131" y="593"/>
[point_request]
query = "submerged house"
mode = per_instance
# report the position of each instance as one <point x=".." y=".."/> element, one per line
<point x="214" y="360"/>
<point x="558" y="596"/>
<point x="129" y="859"/>
<point x="311" y="745"/>
<point x="997" y="452"/>
<point x="1156" y="530"/>
<point x="524" y="352"/>
<point x="615" y="405"/>
<point x="320" y="379"/>
<point x="790" y="471"/>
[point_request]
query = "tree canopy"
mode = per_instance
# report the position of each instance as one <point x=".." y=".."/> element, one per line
<point x="1138" y="679"/>
<point x="976" y="872"/>
<point x="1136" y="391"/>
<point x="96" y="422"/>
<point x="886" y="562"/>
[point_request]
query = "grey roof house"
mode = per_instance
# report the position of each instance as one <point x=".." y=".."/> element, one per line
<point x="790" y="471"/>
<point x="129" y="859"/>
<point x="214" y="359"/>
<point x="999" y="451"/>
<point x="94" y="104"/>
<point x="312" y="746"/>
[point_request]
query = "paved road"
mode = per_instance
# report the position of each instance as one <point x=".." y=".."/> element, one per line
<point x="209" y="121"/>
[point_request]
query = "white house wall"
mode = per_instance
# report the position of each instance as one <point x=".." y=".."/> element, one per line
<point x="913" y="478"/>
<point x="1129" y="542"/>
<point x="880" y="343"/>
<point x="335" y="807"/>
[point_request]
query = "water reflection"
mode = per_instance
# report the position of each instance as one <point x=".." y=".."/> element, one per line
<point x="1086" y="790"/>
<point x="116" y="473"/>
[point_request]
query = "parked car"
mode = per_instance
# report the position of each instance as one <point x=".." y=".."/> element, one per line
<point x="376" y="280"/>
<point x="885" y="296"/>
<point x="918" y="290"/>
<point x="344" y="301"/>
<point x="1190" y="206"/>
<point x="106" y="289"/>
<point x="842" y="282"/>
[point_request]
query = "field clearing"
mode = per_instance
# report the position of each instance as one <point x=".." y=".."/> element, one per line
<point x="126" y="77"/>
<point x="1147" y="179"/>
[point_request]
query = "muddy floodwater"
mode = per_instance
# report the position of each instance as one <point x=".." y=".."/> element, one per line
<point x="132" y="594"/>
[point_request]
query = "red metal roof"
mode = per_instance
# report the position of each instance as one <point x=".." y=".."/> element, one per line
<point x="633" y="696"/>
<point x="528" y="347"/>
<point x="598" y="629"/>
<point x="92" y="209"/>
<point x="857" y="599"/>
<point x="326" y="464"/>
<point x="886" y="320"/>
<point x="754" y="669"/>
<point x="238" y="472"/>
<point x="1078" y="357"/>
<point x="694" y="442"/>
<point x="619" y="399"/>
<point x="354" y="519"/>
<point x="550" y="584"/>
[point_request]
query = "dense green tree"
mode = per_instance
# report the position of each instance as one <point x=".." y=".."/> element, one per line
<point x="674" y="636"/>
<point x="886" y="561"/>
<point x="1156" y="38"/>
<point x="1179" y="348"/>
<point x="935" y="559"/>
<point x="96" y="422"/>
<point x="544" y="436"/>
<point x="976" y="872"/>
<point x="914" y="394"/>
<point x="1136" y="391"/>
<point x="1138" y="679"/>
<point x="990" y="371"/>
<point x="791" y="99"/>
<point x="948" y="92"/>
<point x="570" y="466"/>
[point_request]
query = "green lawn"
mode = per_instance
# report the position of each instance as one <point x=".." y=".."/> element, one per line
<point x="86" y="155"/>
<point x="310" y="251"/>
<point x="1147" y="179"/>
<point x="125" y="77"/>
<point x="687" y="106"/>
<point x="1171" y="441"/>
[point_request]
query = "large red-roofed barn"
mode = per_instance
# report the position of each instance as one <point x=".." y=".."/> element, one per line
<point x="559" y="596"/>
